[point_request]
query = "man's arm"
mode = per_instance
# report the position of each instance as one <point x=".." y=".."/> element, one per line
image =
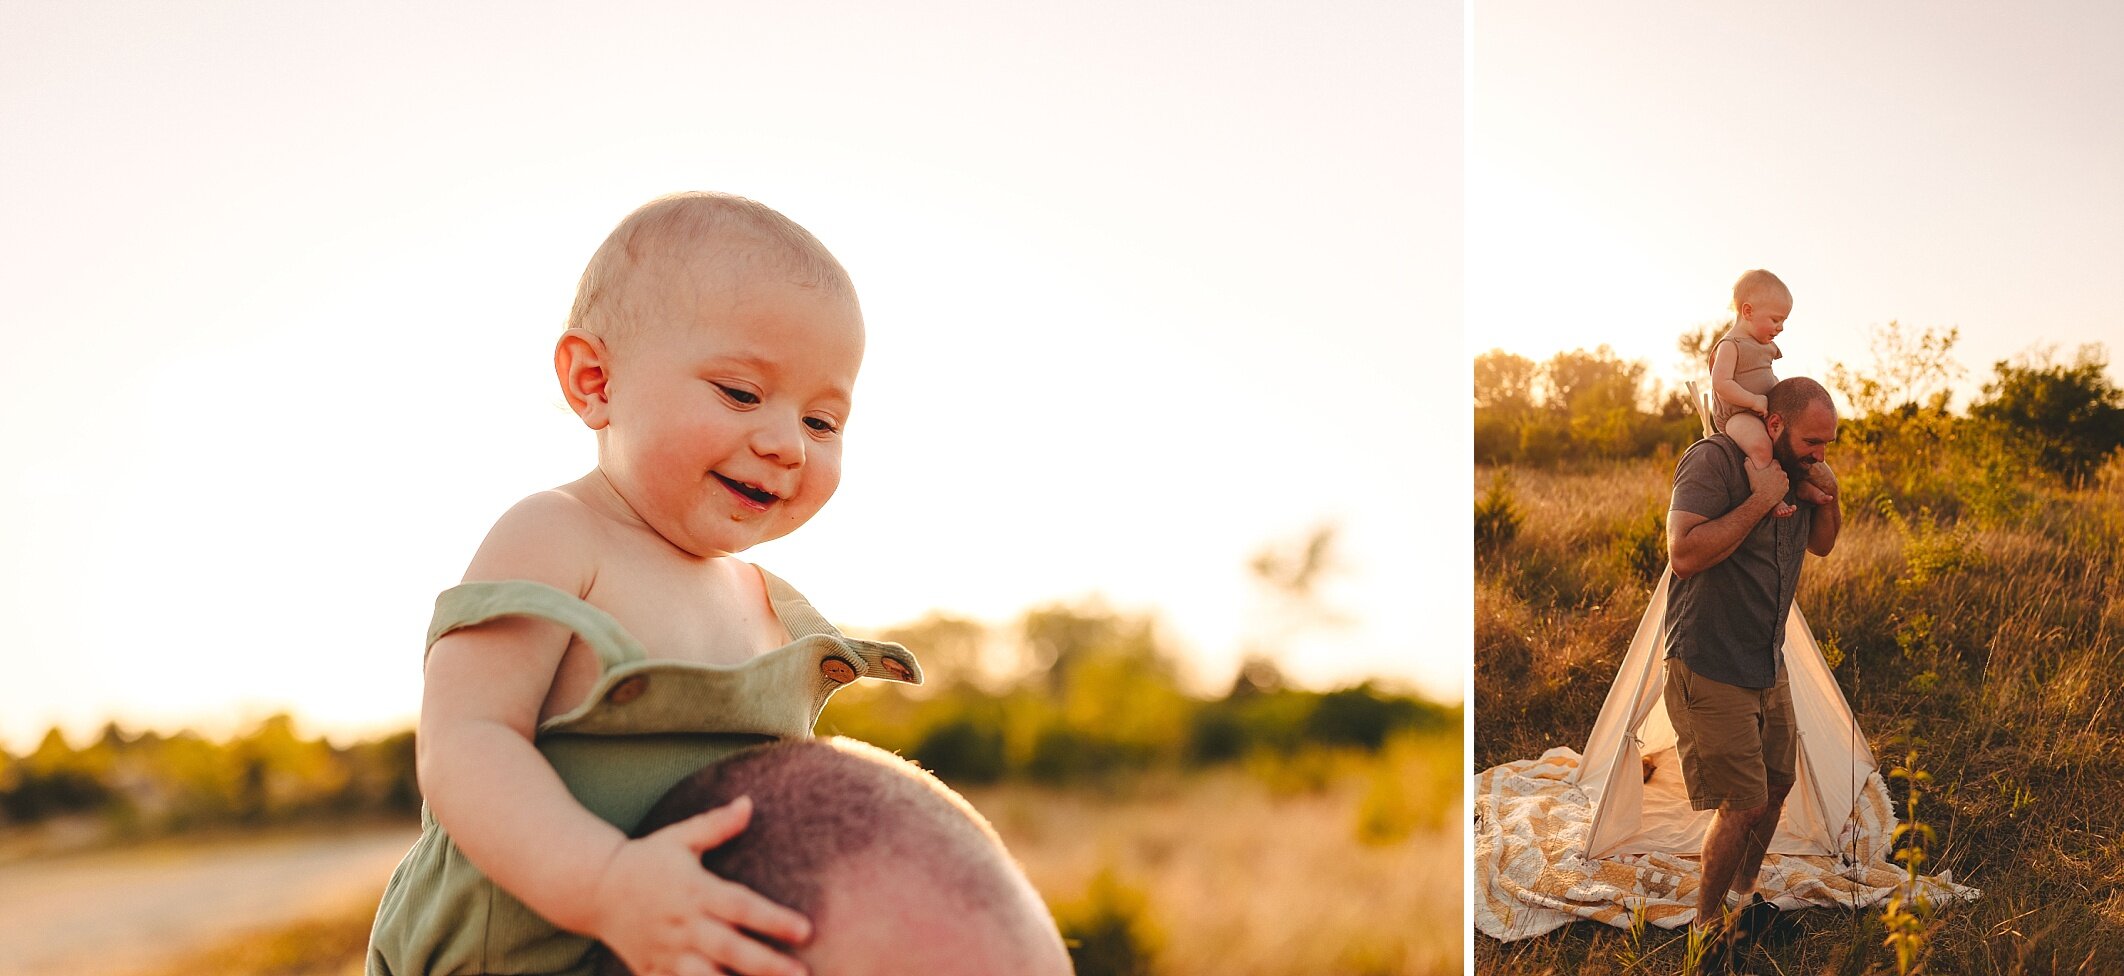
<point x="1828" y="516"/>
<point x="1696" y="542"/>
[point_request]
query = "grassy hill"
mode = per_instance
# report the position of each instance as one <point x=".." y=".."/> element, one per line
<point x="1973" y="603"/>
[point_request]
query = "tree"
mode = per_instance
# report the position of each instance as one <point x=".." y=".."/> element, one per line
<point x="1504" y="381"/>
<point x="1294" y="570"/>
<point x="1696" y="346"/>
<point x="1060" y="641"/>
<point x="1504" y="400"/>
<point x="1576" y="405"/>
<point x="1598" y="392"/>
<point x="2072" y="416"/>
<point x="1910" y="368"/>
<point x="949" y="647"/>
<point x="1289" y="574"/>
<point x="1579" y="380"/>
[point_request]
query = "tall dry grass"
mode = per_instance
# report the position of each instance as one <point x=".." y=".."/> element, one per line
<point x="1278" y="870"/>
<point x="1994" y="634"/>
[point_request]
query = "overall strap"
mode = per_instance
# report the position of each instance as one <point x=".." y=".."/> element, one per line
<point x="867" y="658"/>
<point x="796" y="613"/>
<point x="468" y="604"/>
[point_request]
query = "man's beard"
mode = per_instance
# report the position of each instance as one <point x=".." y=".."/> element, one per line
<point x="1781" y="451"/>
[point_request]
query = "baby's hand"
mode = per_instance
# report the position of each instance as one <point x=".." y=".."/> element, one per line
<point x="664" y="915"/>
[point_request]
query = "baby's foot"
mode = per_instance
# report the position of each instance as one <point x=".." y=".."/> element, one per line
<point x="1783" y="510"/>
<point x="1813" y="495"/>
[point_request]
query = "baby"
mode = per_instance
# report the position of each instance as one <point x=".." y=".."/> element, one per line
<point x="607" y="642"/>
<point x="1741" y="377"/>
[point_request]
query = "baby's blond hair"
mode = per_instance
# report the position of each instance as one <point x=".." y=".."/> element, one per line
<point x="746" y="235"/>
<point x="1753" y="286"/>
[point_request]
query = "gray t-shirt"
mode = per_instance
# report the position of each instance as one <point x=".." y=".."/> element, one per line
<point x="1727" y="623"/>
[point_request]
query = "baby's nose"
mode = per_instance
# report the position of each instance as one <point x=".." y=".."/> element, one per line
<point x="777" y="442"/>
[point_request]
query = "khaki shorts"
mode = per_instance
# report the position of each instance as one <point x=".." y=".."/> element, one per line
<point x="1737" y="744"/>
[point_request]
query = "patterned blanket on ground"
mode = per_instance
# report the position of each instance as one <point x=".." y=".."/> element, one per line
<point x="1531" y="877"/>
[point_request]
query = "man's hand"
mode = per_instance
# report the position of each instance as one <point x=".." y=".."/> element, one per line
<point x="1820" y="490"/>
<point x="1767" y="481"/>
<point x="663" y="915"/>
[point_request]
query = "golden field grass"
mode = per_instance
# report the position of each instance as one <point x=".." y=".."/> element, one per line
<point x="1994" y="634"/>
<point x="1326" y="863"/>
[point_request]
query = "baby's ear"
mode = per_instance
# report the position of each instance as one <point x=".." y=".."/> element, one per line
<point x="582" y="363"/>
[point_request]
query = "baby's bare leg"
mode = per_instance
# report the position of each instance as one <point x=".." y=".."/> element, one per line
<point x="1748" y="432"/>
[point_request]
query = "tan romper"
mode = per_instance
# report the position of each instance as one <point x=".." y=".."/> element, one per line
<point x="645" y="725"/>
<point x="1751" y="369"/>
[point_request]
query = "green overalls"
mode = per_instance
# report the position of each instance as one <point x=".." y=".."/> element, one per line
<point x="645" y="725"/>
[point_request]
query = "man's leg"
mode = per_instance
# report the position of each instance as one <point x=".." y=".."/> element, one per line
<point x="1764" y="827"/>
<point x="1718" y="729"/>
<point x="1780" y="761"/>
<point x="1726" y="846"/>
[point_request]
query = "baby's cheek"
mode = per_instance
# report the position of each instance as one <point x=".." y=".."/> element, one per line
<point x="823" y="466"/>
<point x="825" y="480"/>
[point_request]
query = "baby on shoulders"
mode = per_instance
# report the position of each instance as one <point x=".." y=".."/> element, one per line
<point x="713" y="348"/>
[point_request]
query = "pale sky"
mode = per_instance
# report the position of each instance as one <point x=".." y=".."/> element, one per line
<point x="1147" y="289"/>
<point x="1938" y="163"/>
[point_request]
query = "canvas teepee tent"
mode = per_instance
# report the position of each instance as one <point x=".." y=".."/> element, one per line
<point x="1632" y="776"/>
<point x="1572" y="836"/>
<point x="1635" y="814"/>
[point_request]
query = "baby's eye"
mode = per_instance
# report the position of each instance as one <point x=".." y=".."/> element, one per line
<point x="745" y="397"/>
<point x="822" y="425"/>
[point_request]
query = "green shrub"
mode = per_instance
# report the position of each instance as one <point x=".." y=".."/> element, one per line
<point x="1062" y="756"/>
<point x="1497" y="516"/>
<point x="1109" y="931"/>
<point x="1358" y="717"/>
<point x="1410" y="789"/>
<point x="2072" y="415"/>
<point x="963" y="751"/>
<point x="1640" y="544"/>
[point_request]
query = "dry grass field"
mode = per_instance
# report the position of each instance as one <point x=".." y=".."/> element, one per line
<point x="1992" y="631"/>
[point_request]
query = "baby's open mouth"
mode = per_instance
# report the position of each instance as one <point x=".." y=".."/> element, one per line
<point x="760" y="496"/>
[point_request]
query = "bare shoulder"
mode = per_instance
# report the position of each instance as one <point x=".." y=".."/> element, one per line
<point x="550" y="537"/>
<point x="504" y="671"/>
<point x="1725" y="357"/>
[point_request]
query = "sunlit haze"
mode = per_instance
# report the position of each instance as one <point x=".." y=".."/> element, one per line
<point x="1940" y="164"/>
<point x="1147" y="290"/>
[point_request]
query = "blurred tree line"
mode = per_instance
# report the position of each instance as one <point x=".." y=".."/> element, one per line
<point x="152" y="783"/>
<point x="1899" y="433"/>
<point x="1575" y="406"/>
<point x="2040" y="417"/>
<point x="1096" y="695"/>
<point x="1086" y="694"/>
<point x="1083" y="695"/>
